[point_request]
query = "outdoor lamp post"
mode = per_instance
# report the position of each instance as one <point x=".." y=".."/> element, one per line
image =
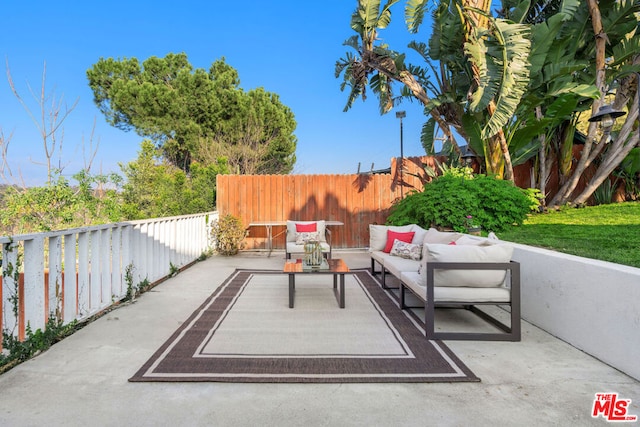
<point x="467" y="156"/>
<point x="400" y="115"/>
<point x="607" y="116"/>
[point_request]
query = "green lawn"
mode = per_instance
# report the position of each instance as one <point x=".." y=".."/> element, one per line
<point x="605" y="232"/>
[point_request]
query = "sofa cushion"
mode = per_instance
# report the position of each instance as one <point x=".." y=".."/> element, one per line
<point x="406" y="250"/>
<point x="304" y="237"/>
<point x="434" y="236"/>
<point x="293" y="248"/>
<point x="396" y="265"/>
<point x="378" y="234"/>
<point x="292" y="225"/>
<point x="306" y="227"/>
<point x="418" y="238"/>
<point x="392" y="236"/>
<point x="469" y="240"/>
<point x="465" y="253"/>
<point x="412" y="280"/>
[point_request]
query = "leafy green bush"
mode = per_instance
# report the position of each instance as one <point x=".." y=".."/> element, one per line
<point x="447" y="201"/>
<point x="228" y="235"/>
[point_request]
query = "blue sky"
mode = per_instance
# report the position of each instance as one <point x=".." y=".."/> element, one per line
<point x="289" y="48"/>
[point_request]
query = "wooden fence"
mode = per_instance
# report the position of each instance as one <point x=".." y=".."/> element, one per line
<point x="357" y="200"/>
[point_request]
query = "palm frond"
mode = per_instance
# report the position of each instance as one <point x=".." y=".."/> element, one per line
<point x="414" y="12"/>
<point x="447" y="34"/>
<point x="626" y="50"/>
<point x="562" y="107"/>
<point x="618" y="17"/>
<point x="381" y="86"/>
<point x="488" y="73"/>
<point x="427" y="136"/>
<point x="520" y="154"/>
<point x="353" y="42"/>
<point x="384" y="18"/>
<point x="511" y="52"/>
<point x="574" y="89"/>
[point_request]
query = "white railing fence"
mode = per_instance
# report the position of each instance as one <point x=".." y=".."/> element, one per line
<point x="76" y="273"/>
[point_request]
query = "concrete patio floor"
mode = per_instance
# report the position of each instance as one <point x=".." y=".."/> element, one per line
<point x="83" y="379"/>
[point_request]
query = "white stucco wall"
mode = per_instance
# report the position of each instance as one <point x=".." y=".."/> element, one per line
<point x="593" y="305"/>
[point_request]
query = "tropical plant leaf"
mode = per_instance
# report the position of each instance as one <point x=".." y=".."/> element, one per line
<point x="384" y="18"/>
<point x="414" y="12"/>
<point x="626" y="50"/>
<point x="520" y="153"/>
<point x="562" y="107"/>
<point x="427" y="136"/>
<point x="519" y="13"/>
<point x="512" y="51"/>
<point x="489" y="74"/>
<point x="618" y="17"/>
<point x="474" y="133"/>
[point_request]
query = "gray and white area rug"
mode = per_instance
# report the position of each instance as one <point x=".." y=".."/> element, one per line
<point x="246" y="332"/>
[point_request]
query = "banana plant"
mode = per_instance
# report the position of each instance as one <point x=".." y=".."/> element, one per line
<point x="479" y="63"/>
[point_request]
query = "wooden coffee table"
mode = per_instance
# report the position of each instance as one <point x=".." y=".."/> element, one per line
<point x="335" y="266"/>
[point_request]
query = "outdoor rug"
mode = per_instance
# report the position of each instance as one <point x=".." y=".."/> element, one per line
<point x="246" y="332"/>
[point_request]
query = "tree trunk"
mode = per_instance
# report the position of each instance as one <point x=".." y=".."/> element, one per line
<point x="565" y="192"/>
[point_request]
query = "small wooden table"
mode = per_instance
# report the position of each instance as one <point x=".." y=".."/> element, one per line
<point x="336" y="266"/>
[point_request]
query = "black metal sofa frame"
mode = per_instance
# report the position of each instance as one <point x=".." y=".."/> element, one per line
<point x="511" y="332"/>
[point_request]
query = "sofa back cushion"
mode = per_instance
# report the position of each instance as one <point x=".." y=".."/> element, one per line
<point x="465" y="253"/>
<point x="469" y="240"/>
<point x="434" y="236"/>
<point x="292" y="229"/>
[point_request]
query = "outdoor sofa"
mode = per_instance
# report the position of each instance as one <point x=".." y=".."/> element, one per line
<point x="449" y="269"/>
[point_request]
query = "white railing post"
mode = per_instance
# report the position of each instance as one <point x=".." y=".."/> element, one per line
<point x="55" y="276"/>
<point x="70" y="310"/>
<point x="95" y="291"/>
<point x="34" y="312"/>
<point x="10" y="282"/>
<point x="116" y="267"/>
<point x="83" y="274"/>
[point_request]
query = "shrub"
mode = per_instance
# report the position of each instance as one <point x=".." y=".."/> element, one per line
<point x="448" y="200"/>
<point x="228" y="235"/>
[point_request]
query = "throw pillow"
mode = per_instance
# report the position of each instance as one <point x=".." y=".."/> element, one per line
<point x="311" y="227"/>
<point x="392" y="236"/>
<point x="304" y="237"/>
<point x="378" y="234"/>
<point x="406" y="250"/>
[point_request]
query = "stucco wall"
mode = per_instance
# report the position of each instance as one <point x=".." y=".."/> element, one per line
<point x="593" y="305"/>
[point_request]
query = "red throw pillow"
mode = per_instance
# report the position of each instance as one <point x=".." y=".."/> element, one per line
<point x="453" y="242"/>
<point x="307" y="228"/>
<point x="393" y="235"/>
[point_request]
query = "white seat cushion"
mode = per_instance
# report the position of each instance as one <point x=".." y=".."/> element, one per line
<point x="456" y="294"/>
<point x="292" y="248"/>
